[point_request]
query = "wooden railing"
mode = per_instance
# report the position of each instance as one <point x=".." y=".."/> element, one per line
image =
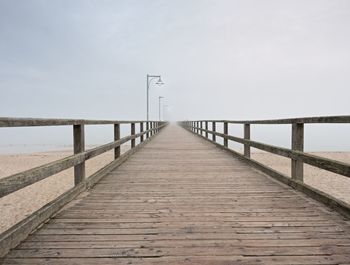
<point x="15" y="182"/>
<point x="296" y="153"/>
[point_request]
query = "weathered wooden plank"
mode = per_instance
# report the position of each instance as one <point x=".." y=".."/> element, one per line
<point x="28" y="122"/>
<point x="117" y="243"/>
<point x="190" y="236"/>
<point x="179" y="251"/>
<point x="202" y="260"/>
<point x="320" y="119"/>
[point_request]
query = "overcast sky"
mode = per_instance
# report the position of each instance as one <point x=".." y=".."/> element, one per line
<point x="219" y="59"/>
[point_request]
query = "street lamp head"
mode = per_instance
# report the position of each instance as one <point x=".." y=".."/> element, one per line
<point x="160" y="82"/>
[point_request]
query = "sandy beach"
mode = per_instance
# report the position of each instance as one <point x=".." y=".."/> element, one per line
<point x="20" y="204"/>
<point x="331" y="183"/>
<point x="16" y="206"/>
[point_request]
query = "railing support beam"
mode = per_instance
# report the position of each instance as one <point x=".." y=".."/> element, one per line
<point x="214" y="130"/>
<point x="297" y="145"/>
<point x="226" y="133"/>
<point x="141" y="130"/>
<point x="116" y="138"/>
<point x="147" y="128"/>
<point x="79" y="146"/>
<point x="206" y="127"/>
<point x="132" y="130"/>
<point x="247" y="137"/>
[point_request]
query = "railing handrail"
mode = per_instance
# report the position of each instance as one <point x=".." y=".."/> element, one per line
<point x="28" y="122"/>
<point x="318" y="119"/>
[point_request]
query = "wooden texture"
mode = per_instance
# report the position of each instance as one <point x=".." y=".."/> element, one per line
<point x="320" y="119"/>
<point x="206" y="128"/>
<point x="132" y="133"/>
<point x="79" y="147"/>
<point x="147" y="129"/>
<point x="141" y="130"/>
<point x="182" y="200"/>
<point x="214" y="130"/>
<point x="117" y="138"/>
<point x="225" y="132"/>
<point x="247" y="137"/>
<point x="27" y="122"/>
<point x="297" y="167"/>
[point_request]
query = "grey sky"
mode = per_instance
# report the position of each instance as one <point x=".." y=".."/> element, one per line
<point x="219" y="59"/>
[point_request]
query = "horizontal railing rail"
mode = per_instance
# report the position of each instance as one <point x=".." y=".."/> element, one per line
<point x="27" y="122"/>
<point x="295" y="153"/>
<point x="321" y="119"/>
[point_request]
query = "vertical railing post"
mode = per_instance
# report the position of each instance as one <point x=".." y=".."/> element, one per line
<point x="214" y="130"/>
<point x="79" y="146"/>
<point x="132" y="130"/>
<point x="297" y="145"/>
<point x="147" y="128"/>
<point x="201" y="132"/>
<point x="116" y="138"/>
<point x="226" y="133"/>
<point x="141" y="131"/>
<point x="206" y="127"/>
<point x="247" y="137"/>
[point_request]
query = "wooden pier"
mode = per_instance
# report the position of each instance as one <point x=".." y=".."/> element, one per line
<point x="181" y="199"/>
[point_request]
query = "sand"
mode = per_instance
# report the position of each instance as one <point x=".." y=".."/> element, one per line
<point x="22" y="203"/>
<point x="328" y="182"/>
<point x="16" y="206"/>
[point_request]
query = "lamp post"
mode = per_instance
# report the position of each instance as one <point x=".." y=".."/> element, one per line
<point x="159" y="99"/>
<point x="149" y="80"/>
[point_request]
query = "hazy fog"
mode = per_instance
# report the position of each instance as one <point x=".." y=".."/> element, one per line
<point x="218" y="59"/>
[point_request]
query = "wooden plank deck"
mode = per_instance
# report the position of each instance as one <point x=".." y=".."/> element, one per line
<point x="181" y="200"/>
